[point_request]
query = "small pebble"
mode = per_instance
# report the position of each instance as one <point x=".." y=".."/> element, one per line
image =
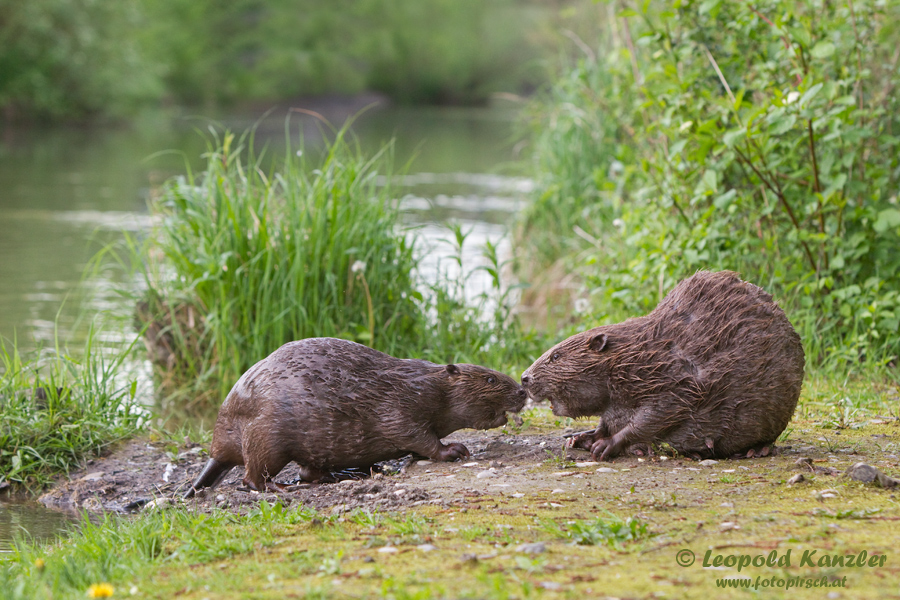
<point x="550" y="585"/>
<point x="589" y="463"/>
<point x="798" y="478"/>
<point x="471" y="464"/>
<point x="558" y="491"/>
<point x="535" y="548"/>
<point x="426" y="547"/>
<point x="606" y="470"/>
<point x="388" y="550"/>
<point x="708" y="462"/>
<point x="485" y="474"/>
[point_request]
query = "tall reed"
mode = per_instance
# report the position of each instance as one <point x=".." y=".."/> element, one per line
<point x="246" y="259"/>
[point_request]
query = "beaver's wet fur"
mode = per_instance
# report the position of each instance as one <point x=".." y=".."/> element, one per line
<point x="330" y="404"/>
<point x="714" y="371"/>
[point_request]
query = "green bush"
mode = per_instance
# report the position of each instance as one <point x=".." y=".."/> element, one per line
<point x="756" y="137"/>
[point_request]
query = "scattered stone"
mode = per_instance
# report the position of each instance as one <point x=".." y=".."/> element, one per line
<point x="727" y="505"/>
<point x="550" y="585"/>
<point x="485" y="474"/>
<point x="340" y="509"/>
<point x="388" y="550"/>
<point x="606" y="470"/>
<point x="168" y="472"/>
<point x="589" y="463"/>
<point x="868" y="474"/>
<point x="729" y="526"/>
<point x="496" y="464"/>
<point x="469" y="557"/>
<point x="798" y="478"/>
<point x="518" y="495"/>
<point x="424" y="463"/>
<point x="399" y="492"/>
<point x="824" y="494"/>
<point x="708" y="462"/>
<point x="558" y="491"/>
<point x="369" y="559"/>
<point x="426" y="547"/>
<point x="471" y="464"/>
<point x="93" y="476"/>
<point x="728" y="470"/>
<point x="535" y="548"/>
<point x="158" y="503"/>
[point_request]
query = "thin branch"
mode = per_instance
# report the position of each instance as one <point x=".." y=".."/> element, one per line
<point x="776" y="189"/>
<point x="715" y="65"/>
<point x="630" y="45"/>
<point x="859" y="84"/>
<point x="815" y="163"/>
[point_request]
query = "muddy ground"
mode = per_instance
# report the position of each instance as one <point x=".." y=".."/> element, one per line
<point x="530" y="463"/>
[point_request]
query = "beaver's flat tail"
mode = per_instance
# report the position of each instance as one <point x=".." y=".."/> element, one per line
<point x="211" y="476"/>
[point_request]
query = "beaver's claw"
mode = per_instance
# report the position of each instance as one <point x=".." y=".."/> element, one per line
<point x="452" y="451"/>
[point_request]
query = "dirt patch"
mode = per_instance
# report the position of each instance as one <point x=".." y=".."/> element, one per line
<point x="531" y="464"/>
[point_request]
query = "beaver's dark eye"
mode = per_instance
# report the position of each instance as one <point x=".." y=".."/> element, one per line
<point x="555" y="356"/>
<point x="490" y="380"/>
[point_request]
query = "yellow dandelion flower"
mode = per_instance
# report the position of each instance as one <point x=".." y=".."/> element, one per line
<point x="39" y="563"/>
<point x="100" y="590"/>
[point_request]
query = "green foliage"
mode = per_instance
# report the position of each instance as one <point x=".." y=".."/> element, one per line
<point x="72" y="59"/>
<point x="65" y="59"/>
<point x="57" y="409"/>
<point x="755" y="137"/>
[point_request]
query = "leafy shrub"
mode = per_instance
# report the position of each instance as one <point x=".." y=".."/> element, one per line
<point x="756" y="137"/>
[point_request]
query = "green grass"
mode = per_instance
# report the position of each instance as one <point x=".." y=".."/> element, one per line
<point x="58" y="408"/>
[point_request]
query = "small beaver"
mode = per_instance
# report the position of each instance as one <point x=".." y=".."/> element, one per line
<point x="331" y="404"/>
<point x="713" y="371"/>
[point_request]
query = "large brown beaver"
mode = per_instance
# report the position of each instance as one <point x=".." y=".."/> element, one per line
<point x="330" y="404"/>
<point x="713" y="371"/>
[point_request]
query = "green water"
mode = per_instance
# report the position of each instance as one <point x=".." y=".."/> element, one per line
<point x="66" y="192"/>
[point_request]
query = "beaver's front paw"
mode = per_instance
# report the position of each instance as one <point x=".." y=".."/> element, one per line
<point x="452" y="451"/>
<point x="605" y="449"/>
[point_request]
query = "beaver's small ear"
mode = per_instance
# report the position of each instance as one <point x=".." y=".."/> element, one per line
<point x="452" y="369"/>
<point x="598" y="342"/>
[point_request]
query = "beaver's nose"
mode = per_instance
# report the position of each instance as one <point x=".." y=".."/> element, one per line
<point x="526" y="379"/>
<point x="521" y="392"/>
